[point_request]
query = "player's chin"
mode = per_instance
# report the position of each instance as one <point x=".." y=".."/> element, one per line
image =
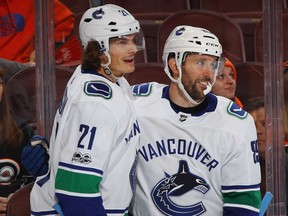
<point x="129" y="68"/>
<point x="229" y="95"/>
<point x="199" y="97"/>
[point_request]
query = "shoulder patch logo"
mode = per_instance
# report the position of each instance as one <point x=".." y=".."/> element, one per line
<point x="98" y="89"/>
<point x="142" y="89"/>
<point x="235" y="110"/>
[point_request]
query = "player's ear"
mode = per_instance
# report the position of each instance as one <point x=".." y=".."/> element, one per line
<point x="173" y="68"/>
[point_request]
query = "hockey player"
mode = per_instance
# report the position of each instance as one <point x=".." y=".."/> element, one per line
<point x="198" y="152"/>
<point x="95" y="131"/>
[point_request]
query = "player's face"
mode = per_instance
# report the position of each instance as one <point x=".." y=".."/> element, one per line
<point x="197" y="72"/>
<point x="259" y="119"/>
<point x="225" y="84"/>
<point x="122" y="52"/>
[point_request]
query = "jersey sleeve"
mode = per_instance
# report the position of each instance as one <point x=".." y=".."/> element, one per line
<point x="241" y="175"/>
<point x="91" y="134"/>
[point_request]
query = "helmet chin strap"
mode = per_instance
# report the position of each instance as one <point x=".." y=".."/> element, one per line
<point x="106" y="68"/>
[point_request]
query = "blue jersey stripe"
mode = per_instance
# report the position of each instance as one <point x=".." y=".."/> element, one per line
<point x="89" y="169"/>
<point x="239" y="187"/>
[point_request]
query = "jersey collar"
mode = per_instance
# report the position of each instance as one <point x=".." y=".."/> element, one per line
<point x="208" y="105"/>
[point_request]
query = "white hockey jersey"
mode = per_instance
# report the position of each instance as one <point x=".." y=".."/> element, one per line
<point x="197" y="161"/>
<point x="92" y="149"/>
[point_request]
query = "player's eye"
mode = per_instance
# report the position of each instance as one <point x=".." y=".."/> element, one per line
<point x="200" y="62"/>
<point x="220" y="76"/>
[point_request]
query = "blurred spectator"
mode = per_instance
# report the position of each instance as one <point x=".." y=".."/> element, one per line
<point x="14" y="135"/>
<point x="225" y="84"/>
<point x="20" y="103"/>
<point x="17" y="30"/>
<point x="256" y="108"/>
<point x="11" y="67"/>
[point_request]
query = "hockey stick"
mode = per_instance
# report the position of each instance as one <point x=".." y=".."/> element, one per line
<point x="57" y="207"/>
<point x="265" y="203"/>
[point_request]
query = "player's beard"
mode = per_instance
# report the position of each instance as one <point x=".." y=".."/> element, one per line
<point x="193" y="91"/>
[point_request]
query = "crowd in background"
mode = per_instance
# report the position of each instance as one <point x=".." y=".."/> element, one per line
<point x="18" y="53"/>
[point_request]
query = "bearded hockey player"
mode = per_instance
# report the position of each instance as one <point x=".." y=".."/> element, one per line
<point x="198" y="152"/>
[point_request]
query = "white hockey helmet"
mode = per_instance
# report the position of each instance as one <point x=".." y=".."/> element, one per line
<point x="105" y="22"/>
<point x="185" y="39"/>
<point x="192" y="39"/>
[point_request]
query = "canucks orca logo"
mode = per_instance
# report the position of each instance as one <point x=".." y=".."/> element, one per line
<point x="175" y="186"/>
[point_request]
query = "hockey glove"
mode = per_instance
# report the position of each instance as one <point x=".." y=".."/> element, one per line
<point x="35" y="156"/>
